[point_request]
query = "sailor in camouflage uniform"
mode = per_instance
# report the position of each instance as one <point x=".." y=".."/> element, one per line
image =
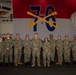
<point x="59" y="47"/>
<point x="67" y="45"/>
<point x="52" y="44"/>
<point x="46" y="52"/>
<point x="27" y="49"/>
<point x="36" y="44"/>
<point x="1" y="50"/>
<point x="18" y="43"/>
<point x="74" y="50"/>
<point x="8" y="44"/>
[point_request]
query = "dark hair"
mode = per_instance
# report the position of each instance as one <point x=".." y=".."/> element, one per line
<point x="66" y="35"/>
<point x="27" y="35"/>
<point x="50" y="34"/>
<point x="8" y="33"/>
<point x="46" y="38"/>
<point x="59" y="36"/>
<point x="75" y="36"/>
<point x="17" y="34"/>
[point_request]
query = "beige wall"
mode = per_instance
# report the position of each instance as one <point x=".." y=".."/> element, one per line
<point x="6" y="27"/>
<point x="65" y="27"/>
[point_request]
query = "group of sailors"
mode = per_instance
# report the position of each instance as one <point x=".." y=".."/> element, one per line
<point x="34" y="48"/>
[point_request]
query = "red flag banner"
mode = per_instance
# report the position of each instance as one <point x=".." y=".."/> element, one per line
<point x="64" y="8"/>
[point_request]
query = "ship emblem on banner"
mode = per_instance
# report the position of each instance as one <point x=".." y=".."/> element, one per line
<point x="51" y="25"/>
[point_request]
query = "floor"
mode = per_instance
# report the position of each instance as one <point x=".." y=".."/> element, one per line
<point x="53" y="70"/>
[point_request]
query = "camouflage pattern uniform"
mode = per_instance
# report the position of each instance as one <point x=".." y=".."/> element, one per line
<point x="8" y="44"/>
<point x="52" y="42"/>
<point x="17" y="50"/>
<point x="46" y="52"/>
<point x="36" y="43"/>
<point x="74" y="50"/>
<point x="27" y="50"/>
<point x="59" y="47"/>
<point x="1" y="52"/>
<point x="67" y="45"/>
